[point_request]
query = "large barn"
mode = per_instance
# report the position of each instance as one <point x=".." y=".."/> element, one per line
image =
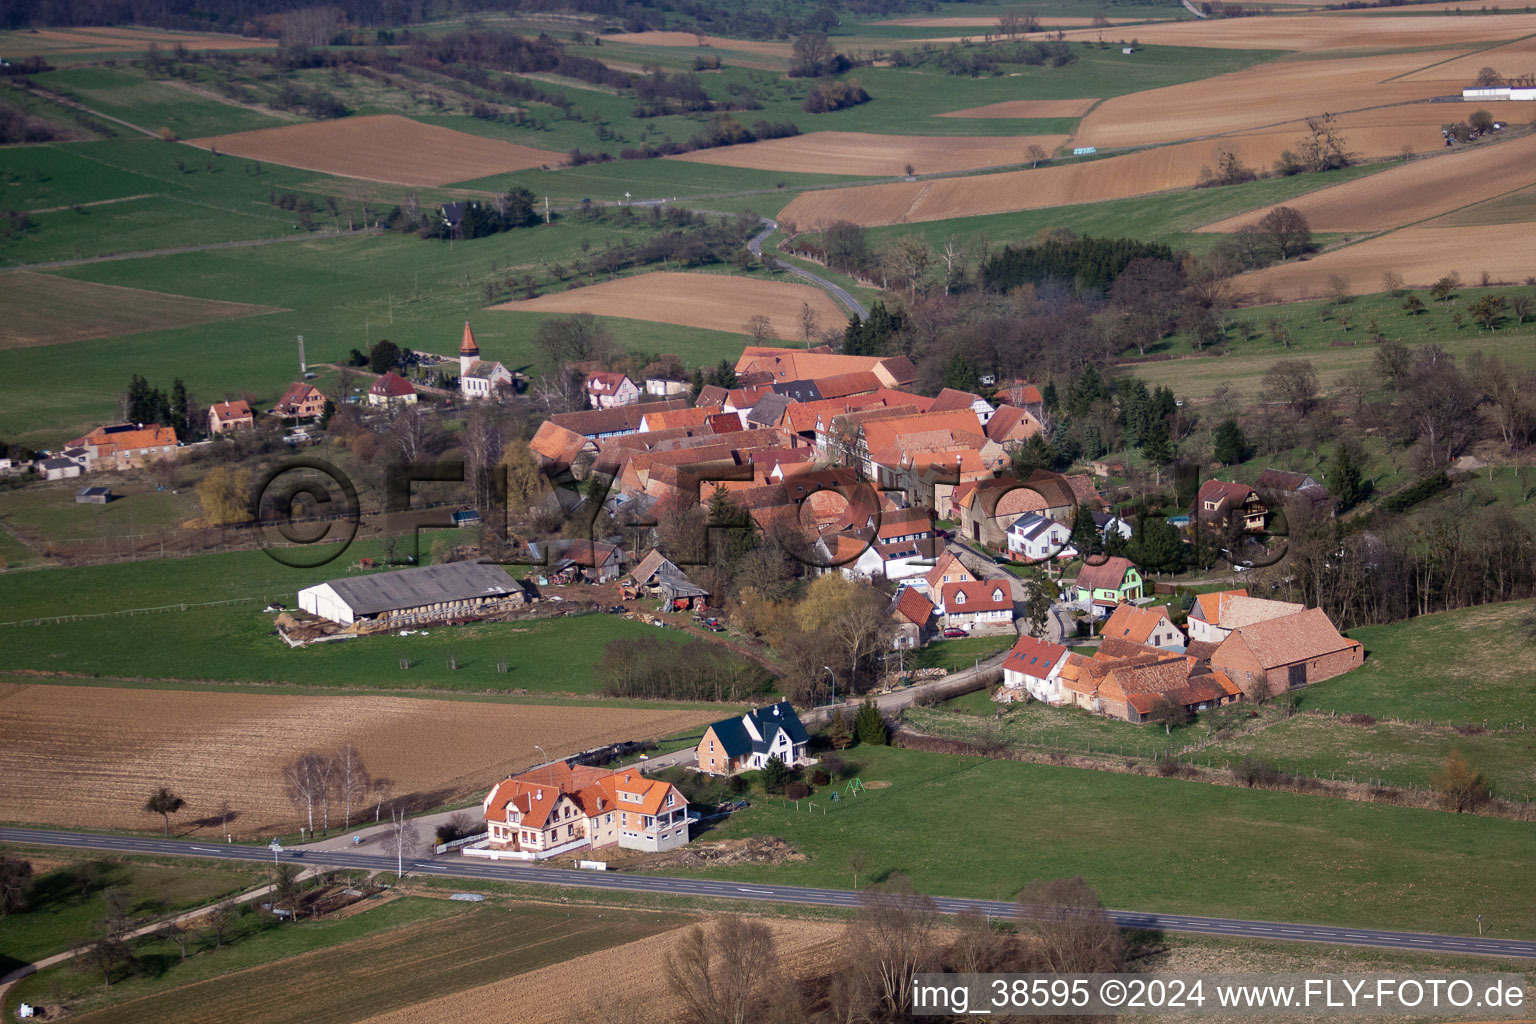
<point x="432" y="593"/>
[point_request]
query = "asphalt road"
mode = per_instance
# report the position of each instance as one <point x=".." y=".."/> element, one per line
<point x="755" y="247"/>
<point x="461" y="867"/>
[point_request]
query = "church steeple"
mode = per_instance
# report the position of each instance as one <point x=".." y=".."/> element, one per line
<point x="469" y="352"/>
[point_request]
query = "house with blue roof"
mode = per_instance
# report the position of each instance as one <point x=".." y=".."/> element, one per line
<point x="746" y="743"/>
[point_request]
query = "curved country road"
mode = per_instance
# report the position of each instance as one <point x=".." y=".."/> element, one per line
<point x="755" y="247"/>
<point x="461" y="867"/>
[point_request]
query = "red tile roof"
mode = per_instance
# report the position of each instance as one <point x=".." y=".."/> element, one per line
<point x="1034" y="657"/>
<point x="1137" y="625"/>
<point x="914" y="607"/>
<point x="467" y="347"/>
<point x="980" y="596"/>
<point x="239" y="409"/>
<point x="1107" y="575"/>
<point x="392" y="385"/>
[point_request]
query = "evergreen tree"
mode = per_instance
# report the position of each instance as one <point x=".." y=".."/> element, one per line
<point x="1157" y="446"/>
<point x="698" y="381"/>
<point x="1231" y="446"/>
<point x="775" y="775"/>
<point x="179" y="407"/>
<point x="1087" y="388"/>
<point x="1048" y="397"/>
<point x="383" y="356"/>
<point x="1086" y="538"/>
<point x="724" y="375"/>
<point x="326" y="413"/>
<point x="869" y="726"/>
<point x="733" y="531"/>
<point x="1135" y="408"/>
<point x="140" y="405"/>
<point x="1092" y="443"/>
<point x="871" y="337"/>
<point x="1346" y="482"/>
<point x="1163" y="403"/>
<point x="960" y="373"/>
<point x="838" y="734"/>
<point x="1156" y="545"/>
<point x="1032" y="455"/>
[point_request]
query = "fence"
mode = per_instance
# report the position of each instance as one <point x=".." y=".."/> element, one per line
<point x="467" y="840"/>
<point x="54" y="620"/>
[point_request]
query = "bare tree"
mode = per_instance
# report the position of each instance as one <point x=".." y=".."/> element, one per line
<point x="177" y="932"/>
<point x="891" y="939"/>
<point x="1072" y="932"/>
<point x="218" y="921"/>
<point x="381" y="788"/>
<point x="409" y="432"/>
<point x="1036" y="154"/>
<point x="723" y="977"/>
<point x="760" y="328"/>
<point x="301" y="783"/>
<point x="352" y="782"/>
<point x="954" y="257"/>
<point x="1286" y="230"/>
<point x="808" y="319"/>
<point x="858" y="863"/>
<point x="404" y="834"/>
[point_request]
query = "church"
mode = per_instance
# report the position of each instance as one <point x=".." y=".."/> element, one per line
<point x="477" y="377"/>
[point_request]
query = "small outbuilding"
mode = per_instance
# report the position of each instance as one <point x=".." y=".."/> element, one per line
<point x="433" y="593"/>
<point x="93" y="495"/>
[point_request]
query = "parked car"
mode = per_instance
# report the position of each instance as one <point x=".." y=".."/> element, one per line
<point x="954" y="632"/>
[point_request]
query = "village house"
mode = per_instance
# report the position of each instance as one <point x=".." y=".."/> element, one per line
<point x="302" y="401"/>
<point x="661" y="387"/>
<point x="1128" y="681"/>
<point x="1149" y="626"/>
<point x="390" y="390"/>
<point x="1034" y="538"/>
<point x="1033" y="669"/>
<point x="913" y="614"/>
<point x="977" y="604"/>
<point x="606" y="390"/>
<point x="658" y="576"/>
<point x="1103" y="586"/>
<point x="784" y="364"/>
<point x="560" y="808"/>
<point x="1011" y="426"/>
<point x="227" y="416"/>
<point x="1214" y="616"/>
<point x="1222" y="502"/>
<point x="556" y="447"/>
<point x="949" y="400"/>
<point x="595" y="560"/>
<point x="946" y="569"/>
<point x="931" y="477"/>
<point x="748" y="741"/>
<point x="1287" y="653"/>
<point x="124" y="446"/>
<point x="1023" y="396"/>
<point x="1279" y="486"/>
<point x="985" y="510"/>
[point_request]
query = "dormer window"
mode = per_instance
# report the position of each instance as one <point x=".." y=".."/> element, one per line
<point x="997" y="595"/>
<point x="960" y="597"/>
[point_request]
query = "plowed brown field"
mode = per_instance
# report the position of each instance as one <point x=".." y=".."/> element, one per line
<point x="44" y="309"/>
<point x="1422" y="255"/>
<point x="1249" y="100"/>
<point x="1027" y="109"/>
<point x="1413" y="192"/>
<point x="975" y="21"/>
<point x="874" y="155"/>
<point x="382" y="147"/>
<point x="1517" y="58"/>
<point x="1133" y="174"/>
<point x="1316" y="32"/>
<point x="711" y="301"/>
<point x="633" y="975"/>
<point x="90" y="756"/>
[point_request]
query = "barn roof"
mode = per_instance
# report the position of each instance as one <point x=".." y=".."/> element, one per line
<point x="429" y="584"/>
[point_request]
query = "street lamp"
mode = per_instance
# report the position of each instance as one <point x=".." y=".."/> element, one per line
<point x="1479" y="924"/>
<point x="541" y="752"/>
<point x="834" y="682"/>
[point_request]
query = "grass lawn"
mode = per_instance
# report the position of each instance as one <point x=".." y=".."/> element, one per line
<point x="967" y="826"/>
<point x="51" y="511"/>
<point x="959" y="653"/>
<point x="69" y="900"/>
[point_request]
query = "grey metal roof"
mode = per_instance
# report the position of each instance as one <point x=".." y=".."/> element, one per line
<point x="92" y="491"/>
<point x="769" y="409"/>
<point x="430" y="584"/>
<point x="58" y="463"/>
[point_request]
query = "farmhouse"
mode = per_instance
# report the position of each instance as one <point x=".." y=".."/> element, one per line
<point x="560" y="808"/>
<point x="988" y="508"/>
<point x="390" y="390"/>
<point x="741" y="744"/>
<point x="125" y="446"/>
<point x="433" y="593"/>
<point x="226" y="416"/>
<point x="300" y="402"/>
<point x="1287" y="653"/>
<point x="784" y="364"/>
<point x="1129" y="681"/>
<point x="912" y="612"/>
<point x="1033" y="669"/>
<point x="1216" y="615"/>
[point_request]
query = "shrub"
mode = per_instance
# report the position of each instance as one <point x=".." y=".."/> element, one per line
<point x="775" y="775"/>
<point x="820" y="778"/>
<point x="1167" y="767"/>
<point x="797" y="791"/>
<point x="832" y="766"/>
<point x="1253" y="771"/>
<point x="1359" y="719"/>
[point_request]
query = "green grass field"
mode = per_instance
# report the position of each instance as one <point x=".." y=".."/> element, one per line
<point x="959" y="653"/>
<point x="68" y="901"/>
<point x="967" y="826"/>
<point x="236" y="644"/>
<point x="126" y="94"/>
